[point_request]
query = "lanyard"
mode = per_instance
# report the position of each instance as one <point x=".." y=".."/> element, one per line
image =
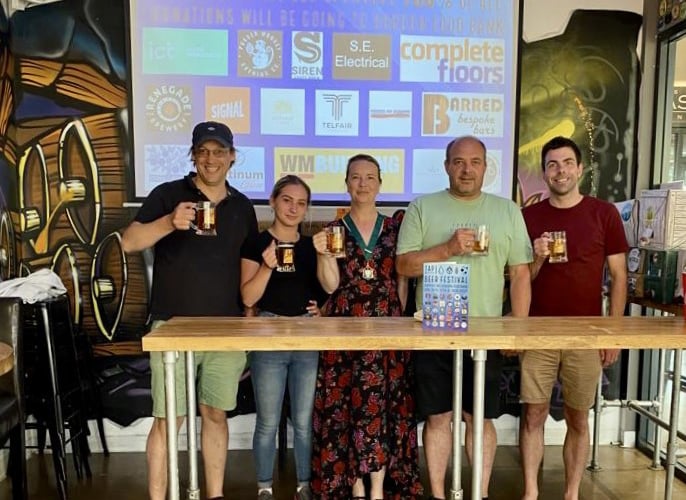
<point x="367" y="248"/>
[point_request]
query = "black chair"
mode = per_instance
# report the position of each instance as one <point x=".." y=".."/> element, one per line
<point x="54" y="388"/>
<point x="12" y="397"/>
<point x="91" y="384"/>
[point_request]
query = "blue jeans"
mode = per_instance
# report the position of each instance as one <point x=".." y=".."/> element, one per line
<point x="269" y="372"/>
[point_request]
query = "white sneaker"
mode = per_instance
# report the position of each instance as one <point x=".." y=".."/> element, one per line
<point x="265" y="495"/>
<point x="305" y="493"/>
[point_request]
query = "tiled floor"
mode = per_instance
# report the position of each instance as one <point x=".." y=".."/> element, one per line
<point x="625" y="476"/>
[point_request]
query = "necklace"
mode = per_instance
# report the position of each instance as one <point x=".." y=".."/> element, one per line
<point x="368" y="271"/>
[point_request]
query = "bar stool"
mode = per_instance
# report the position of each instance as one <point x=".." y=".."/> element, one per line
<point x="90" y="384"/>
<point x="12" y="397"/>
<point x="53" y="385"/>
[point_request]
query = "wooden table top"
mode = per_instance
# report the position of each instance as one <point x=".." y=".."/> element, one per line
<point x="299" y="333"/>
<point x="6" y="358"/>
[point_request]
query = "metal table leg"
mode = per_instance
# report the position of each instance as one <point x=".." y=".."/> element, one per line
<point x="673" y="426"/>
<point x="479" y="356"/>
<point x="456" y="488"/>
<point x="193" y="489"/>
<point x="595" y="466"/>
<point x="657" y="436"/>
<point x="169" y="358"/>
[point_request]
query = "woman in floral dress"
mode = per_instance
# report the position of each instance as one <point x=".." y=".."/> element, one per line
<point x="364" y="414"/>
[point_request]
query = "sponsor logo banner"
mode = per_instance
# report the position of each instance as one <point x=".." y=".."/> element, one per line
<point x="282" y="111"/>
<point x="176" y="51"/>
<point x="260" y="54"/>
<point x="168" y="108"/>
<point x="248" y="172"/>
<point x="171" y="161"/>
<point x="452" y="60"/>
<point x="307" y="49"/>
<point x="453" y="114"/>
<point x="429" y="175"/>
<point x="229" y="105"/>
<point x="358" y="56"/>
<point x="493" y="176"/>
<point x="428" y="172"/>
<point x="324" y="168"/>
<point x="164" y="162"/>
<point x="390" y="114"/>
<point x="336" y="112"/>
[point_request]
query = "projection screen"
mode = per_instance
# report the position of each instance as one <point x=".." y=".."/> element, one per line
<point x="305" y="84"/>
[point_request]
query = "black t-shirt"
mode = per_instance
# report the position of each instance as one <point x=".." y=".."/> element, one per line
<point x="288" y="294"/>
<point x="198" y="275"/>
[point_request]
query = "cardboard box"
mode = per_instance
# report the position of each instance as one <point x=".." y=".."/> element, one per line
<point x="662" y="219"/>
<point x="445" y="304"/>
<point x="659" y="263"/>
<point x="635" y="265"/>
<point x="660" y="275"/>
<point x="680" y="270"/>
<point x="628" y="211"/>
<point x="636" y="285"/>
<point x="635" y="260"/>
<point x="660" y="290"/>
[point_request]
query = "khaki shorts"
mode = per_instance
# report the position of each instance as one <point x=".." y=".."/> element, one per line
<point x="579" y="372"/>
<point x="217" y="377"/>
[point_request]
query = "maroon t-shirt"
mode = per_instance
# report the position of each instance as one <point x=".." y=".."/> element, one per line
<point x="594" y="231"/>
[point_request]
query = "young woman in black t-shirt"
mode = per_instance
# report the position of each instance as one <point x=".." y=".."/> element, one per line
<point x="292" y="289"/>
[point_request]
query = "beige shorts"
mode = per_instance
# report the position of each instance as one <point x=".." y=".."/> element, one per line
<point x="217" y="377"/>
<point x="578" y="370"/>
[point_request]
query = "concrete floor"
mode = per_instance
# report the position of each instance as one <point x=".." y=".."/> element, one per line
<point x="625" y="476"/>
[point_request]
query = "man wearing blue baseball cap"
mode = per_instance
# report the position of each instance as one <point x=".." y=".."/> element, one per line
<point x="196" y="273"/>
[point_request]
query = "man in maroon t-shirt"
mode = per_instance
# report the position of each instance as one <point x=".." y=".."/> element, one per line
<point x="594" y="237"/>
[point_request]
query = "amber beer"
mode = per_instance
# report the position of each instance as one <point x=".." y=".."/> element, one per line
<point x="204" y="224"/>
<point x="481" y="241"/>
<point x="285" y="257"/>
<point x="335" y="241"/>
<point x="557" y="246"/>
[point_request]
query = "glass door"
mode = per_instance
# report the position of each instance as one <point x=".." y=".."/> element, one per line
<point x="676" y="161"/>
<point x="669" y="165"/>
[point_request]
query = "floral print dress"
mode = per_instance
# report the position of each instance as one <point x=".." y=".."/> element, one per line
<point x="364" y="411"/>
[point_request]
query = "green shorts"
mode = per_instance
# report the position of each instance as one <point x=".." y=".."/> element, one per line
<point x="217" y="376"/>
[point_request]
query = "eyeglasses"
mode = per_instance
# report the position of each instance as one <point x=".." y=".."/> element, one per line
<point x="216" y="153"/>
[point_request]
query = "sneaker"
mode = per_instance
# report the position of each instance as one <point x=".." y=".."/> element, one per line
<point x="265" y="495"/>
<point x="305" y="493"/>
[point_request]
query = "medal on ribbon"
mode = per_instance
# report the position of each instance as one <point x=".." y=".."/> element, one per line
<point x="368" y="272"/>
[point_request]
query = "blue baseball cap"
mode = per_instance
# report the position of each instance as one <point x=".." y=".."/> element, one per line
<point x="212" y="131"/>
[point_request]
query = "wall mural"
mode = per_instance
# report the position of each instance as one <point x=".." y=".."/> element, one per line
<point x="585" y="87"/>
<point x="7" y="153"/>
<point x="67" y="162"/>
<point x="65" y="172"/>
